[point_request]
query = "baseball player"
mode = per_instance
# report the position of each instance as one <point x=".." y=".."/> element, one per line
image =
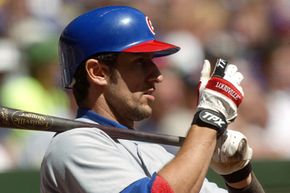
<point x="107" y="59"/>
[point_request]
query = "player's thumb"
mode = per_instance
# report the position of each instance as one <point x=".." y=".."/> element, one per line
<point x="205" y="72"/>
<point x="204" y="77"/>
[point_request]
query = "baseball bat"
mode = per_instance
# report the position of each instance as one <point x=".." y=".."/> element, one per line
<point x="17" y="119"/>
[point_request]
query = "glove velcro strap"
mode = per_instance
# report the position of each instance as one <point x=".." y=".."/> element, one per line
<point x="211" y="119"/>
<point x="238" y="175"/>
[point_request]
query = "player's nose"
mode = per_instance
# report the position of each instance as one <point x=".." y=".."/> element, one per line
<point x="159" y="78"/>
<point x="155" y="75"/>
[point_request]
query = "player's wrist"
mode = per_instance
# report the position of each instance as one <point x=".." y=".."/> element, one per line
<point x="219" y="103"/>
<point x="239" y="175"/>
<point x="210" y="119"/>
<point x="248" y="185"/>
<point x="241" y="184"/>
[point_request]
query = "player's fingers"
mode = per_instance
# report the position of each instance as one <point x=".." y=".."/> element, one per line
<point x="232" y="75"/>
<point x="238" y="78"/>
<point x="230" y="72"/>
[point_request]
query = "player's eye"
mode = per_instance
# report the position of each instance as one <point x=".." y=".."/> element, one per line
<point x="141" y="62"/>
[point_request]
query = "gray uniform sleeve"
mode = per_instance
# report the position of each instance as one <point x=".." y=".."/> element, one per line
<point x="86" y="160"/>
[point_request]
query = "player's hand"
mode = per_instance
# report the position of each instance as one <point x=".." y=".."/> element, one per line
<point x="232" y="156"/>
<point x="221" y="90"/>
<point x="220" y="94"/>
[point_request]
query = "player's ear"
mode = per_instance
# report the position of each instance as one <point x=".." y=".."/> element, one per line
<point x="98" y="73"/>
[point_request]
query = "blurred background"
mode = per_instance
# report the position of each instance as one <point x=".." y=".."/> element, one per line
<point x="253" y="34"/>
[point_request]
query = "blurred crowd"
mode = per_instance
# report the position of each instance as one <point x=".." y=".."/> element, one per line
<point x="253" y="34"/>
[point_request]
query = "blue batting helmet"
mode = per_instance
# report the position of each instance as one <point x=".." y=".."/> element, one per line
<point x="107" y="29"/>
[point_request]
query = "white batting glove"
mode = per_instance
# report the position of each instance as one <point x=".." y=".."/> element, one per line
<point x="220" y="94"/>
<point x="221" y="91"/>
<point x="232" y="156"/>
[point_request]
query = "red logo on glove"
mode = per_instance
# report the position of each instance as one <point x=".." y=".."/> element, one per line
<point x="226" y="88"/>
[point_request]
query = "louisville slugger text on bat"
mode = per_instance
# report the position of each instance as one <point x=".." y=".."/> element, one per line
<point x="17" y="119"/>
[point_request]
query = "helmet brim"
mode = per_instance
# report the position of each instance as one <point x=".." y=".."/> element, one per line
<point x="158" y="48"/>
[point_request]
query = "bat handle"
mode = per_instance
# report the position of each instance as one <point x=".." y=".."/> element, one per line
<point x="220" y="67"/>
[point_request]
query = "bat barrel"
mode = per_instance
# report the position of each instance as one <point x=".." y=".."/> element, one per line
<point x="12" y="118"/>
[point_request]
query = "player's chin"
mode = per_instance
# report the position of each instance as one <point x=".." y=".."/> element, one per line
<point x="147" y="109"/>
<point x="143" y="112"/>
<point x="144" y="108"/>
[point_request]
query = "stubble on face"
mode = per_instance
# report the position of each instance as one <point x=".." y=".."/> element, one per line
<point x="128" y="96"/>
<point x="128" y="107"/>
<point x="132" y="107"/>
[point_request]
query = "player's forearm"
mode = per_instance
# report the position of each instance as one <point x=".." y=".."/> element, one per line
<point x="248" y="185"/>
<point x="196" y="188"/>
<point x="186" y="172"/>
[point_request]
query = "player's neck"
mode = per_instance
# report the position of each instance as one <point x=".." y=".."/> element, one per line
<point x="101" y="107"/>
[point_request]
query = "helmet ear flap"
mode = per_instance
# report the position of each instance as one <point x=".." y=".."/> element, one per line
<point x="67" y="64"/>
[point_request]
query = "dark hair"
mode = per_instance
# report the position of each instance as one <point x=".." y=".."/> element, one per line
<point x="81" y="85"/>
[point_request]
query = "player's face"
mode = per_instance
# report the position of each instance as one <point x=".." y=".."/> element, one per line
<point x="130" y="94"/>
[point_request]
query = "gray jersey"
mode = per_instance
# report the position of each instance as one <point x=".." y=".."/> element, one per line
<point x="87" y="160"/>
